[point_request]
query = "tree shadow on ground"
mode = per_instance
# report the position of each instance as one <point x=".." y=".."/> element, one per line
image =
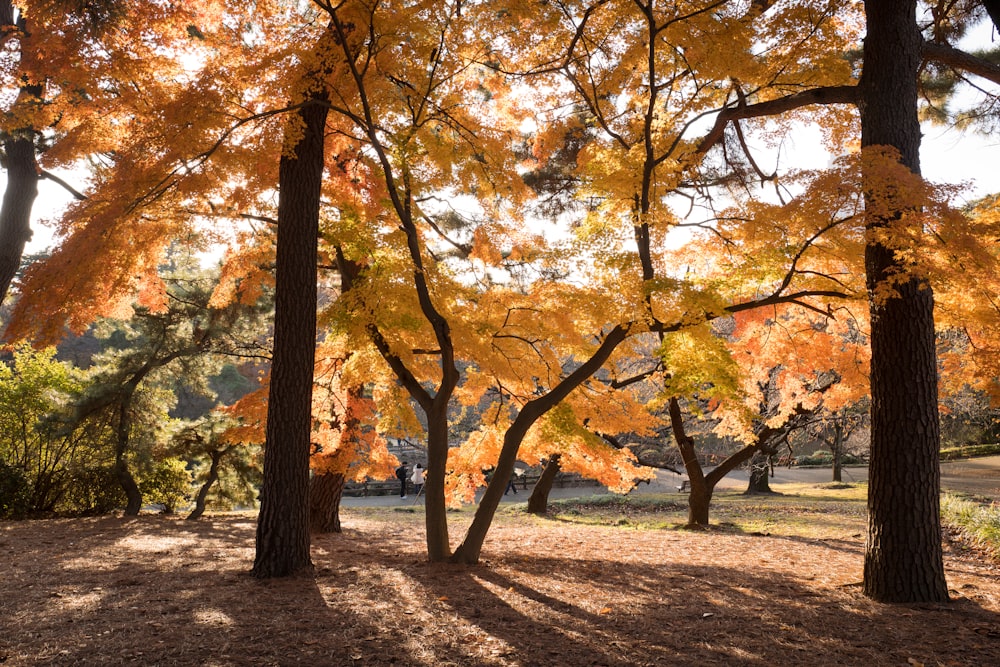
<point x="169" y="592"/>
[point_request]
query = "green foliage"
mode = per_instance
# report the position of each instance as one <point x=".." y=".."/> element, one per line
<point x="92" y="490"/>
<point x="967" y="451"/>
<point x="978" y="522"/>
<point x="167" y="483"/>
<point x="823" y="457"/>
<point x="35" y="393"/>
<point x="15" y="493"/>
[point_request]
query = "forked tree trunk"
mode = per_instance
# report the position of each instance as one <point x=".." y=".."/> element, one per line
<point x="903" y="555"/>
<point x="213" y="476"/>
<point x="325" y="491"/>
<point x="538" y="502"/>
<point x="760" y="474"/>
<point x="283" y="521"/>
<point x="470" y="548"/>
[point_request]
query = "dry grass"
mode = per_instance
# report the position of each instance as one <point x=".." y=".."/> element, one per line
<point x="163" y="591"/>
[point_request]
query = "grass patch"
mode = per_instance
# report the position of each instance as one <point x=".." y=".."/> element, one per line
<point x="968" y="451"/>
<point x="978" y="522"/>
<point x="800" y="510"/>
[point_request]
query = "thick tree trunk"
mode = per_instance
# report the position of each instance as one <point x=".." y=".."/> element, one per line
<point x="903" y="558"/>
<point x="760" y="474"/>
<point x="325" y="492"/>
<point x="700" y="495"/>
<point x="538" y="502"/>
<point x="15" y="212"/>
<point x="22" y="173"/>
<point x="213" y="477"/>
<point x="283" y="522"/>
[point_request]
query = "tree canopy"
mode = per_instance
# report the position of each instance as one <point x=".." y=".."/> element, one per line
<point x="520" y="201"/>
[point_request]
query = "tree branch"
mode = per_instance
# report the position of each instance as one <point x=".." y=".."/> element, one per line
<point x="944" y="54"/>
<point x="823" y="96"/>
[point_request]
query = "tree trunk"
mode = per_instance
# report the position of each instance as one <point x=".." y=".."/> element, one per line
<point x="903" y="558"/>
<point x="213" y="476"/>
<point x="837" y="448"/>
<point x="133" y="496"/>
<point x="15" y="212"/>
<point x="468" y="551"/>
<point x="700" y="495"/>
<point x="538" y="502"/>
<point x="324" y="502"/>
<point x="760" y="474"/>
<point x="22" y="173"/>
<point x="283" y="521"/>
<point x="435" y="509"/>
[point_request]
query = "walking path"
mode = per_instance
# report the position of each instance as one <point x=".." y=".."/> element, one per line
<point x="980" y="477"/>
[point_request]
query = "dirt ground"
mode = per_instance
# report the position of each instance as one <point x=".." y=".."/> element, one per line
<point x="157" y="590"/>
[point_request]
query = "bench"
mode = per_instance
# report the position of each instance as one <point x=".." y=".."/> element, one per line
<point x="685" y="485"/>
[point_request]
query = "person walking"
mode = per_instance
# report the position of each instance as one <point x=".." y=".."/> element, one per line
<point x="402" y="473"/>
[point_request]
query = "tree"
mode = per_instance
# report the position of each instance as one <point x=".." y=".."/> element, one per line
<point x="130" y="389"/>
<point x="36" y="391"/>
<point x="81" y="71"/>
<point x="283" y="522"/>
<point x="903" y="557"/>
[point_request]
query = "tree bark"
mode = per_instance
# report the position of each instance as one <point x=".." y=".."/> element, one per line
<point x="21" y="165"/>
<point x="133" y="496"/>
<point x="213" y="477"/>
<point x="538" y="502"/>
<point x="283" y="522"/>
<point x="325" y="491"/>
<point x="837" y="448"/>
<point x="15" y="212"/>
<point x="760" y="474"/>
<point x="903" y="558"/>
<point x="700" y="495"/>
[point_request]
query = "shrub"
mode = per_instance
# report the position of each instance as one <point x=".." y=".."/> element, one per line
<point x="978" y="522"/>
<point x="15" y="492"/>
<point x="168" y="483"/>
<point x="93" y="490"/>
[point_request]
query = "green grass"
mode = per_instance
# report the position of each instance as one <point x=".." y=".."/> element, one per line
<point x="978" y="522"/>
<point x="968" y="451"/>
<point x="801" y="510"/>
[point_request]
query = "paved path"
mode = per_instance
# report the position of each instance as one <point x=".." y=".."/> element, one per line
<point x="980" y="476"/>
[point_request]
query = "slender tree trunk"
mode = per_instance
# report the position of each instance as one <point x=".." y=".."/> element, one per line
<point x="283" y="522"/>
<point x="435" y="509"/>
<point x="837" y="447"/>
<point x="538" y="502"/>
<point x="133" y="496"/>
<point x="213" y="476"/>
<point x="325" y="491"/>
<point x="903" y="558"/>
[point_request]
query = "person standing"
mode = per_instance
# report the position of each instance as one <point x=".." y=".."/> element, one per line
<point x="402" y="473"/>
<point x="417" y="479"/>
